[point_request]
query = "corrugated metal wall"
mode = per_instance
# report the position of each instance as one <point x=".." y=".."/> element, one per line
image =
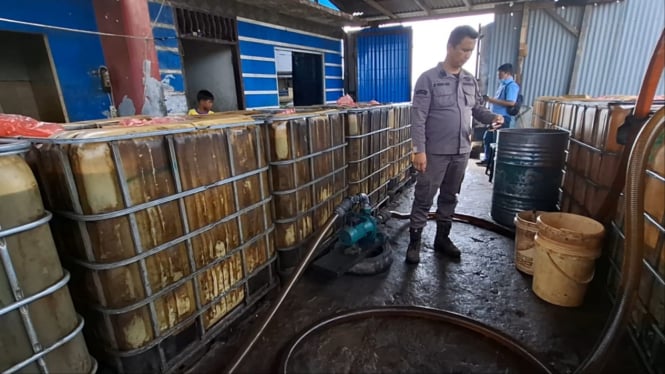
<point x="384" y="64"/>
<point x="618" y="42"/>
<point x="502" y="40"/>
<point x="257" y="53"/>
<point x="551" y="54"/>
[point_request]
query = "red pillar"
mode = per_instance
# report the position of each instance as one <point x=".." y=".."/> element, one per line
<point x="124" y="56"/>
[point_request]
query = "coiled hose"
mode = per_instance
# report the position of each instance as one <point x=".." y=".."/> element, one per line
<point x="437" y="314"/>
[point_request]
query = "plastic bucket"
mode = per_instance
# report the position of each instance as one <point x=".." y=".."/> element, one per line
<point x="525" y="231"/>
<point x="567" y="246"/>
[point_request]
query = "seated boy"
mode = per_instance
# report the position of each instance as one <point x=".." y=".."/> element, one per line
<point x="204" y="100"/>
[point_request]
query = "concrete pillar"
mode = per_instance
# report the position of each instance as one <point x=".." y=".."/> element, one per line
<point x="132" y="60"/>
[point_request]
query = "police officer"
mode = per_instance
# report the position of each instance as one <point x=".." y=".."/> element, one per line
<point x="445" y="99"/>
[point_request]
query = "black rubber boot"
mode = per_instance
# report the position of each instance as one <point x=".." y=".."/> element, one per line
<point x="442" y="242"/>
<point x="415" y="242"/>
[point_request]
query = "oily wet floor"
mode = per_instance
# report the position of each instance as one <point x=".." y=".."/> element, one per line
<point x="484" y="286"/>
<point x="421" y="346"/>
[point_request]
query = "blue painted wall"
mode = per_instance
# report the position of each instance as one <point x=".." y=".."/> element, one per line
<point x="75" y="55"/>
<point x="258" y="40"/>
<point x="169" y="56"/>
<point x="166" y="43"/>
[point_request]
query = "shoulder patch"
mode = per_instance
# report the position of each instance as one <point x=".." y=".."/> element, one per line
<point x="422" y="92"/>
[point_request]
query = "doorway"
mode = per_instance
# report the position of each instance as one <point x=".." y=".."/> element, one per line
<point x="209" y="66"/>
<point x="307" y="79"/>
<point x="300" y="77"/>
<point x="27" y="78"/>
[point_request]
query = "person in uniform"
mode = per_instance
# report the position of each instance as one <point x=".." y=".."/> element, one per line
<point x="445" y="98"/>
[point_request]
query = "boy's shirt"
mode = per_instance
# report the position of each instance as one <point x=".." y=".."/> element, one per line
<point x="194" y="112"/>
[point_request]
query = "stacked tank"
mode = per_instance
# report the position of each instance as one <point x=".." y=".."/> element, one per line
<point x="399" y="138"/>
<point x="593" y="153"/>
<point x="369" y="151"/>
<point x="171" y="231"/>
<point x="41" y="332"/>
<point x="308" y="166"/>
<point x="592" y="164"/>
<point x="167" y="230"/>
<point x="647" y="319"/>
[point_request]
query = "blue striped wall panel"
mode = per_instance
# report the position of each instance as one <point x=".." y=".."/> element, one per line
<point x="176" y="81"/>
<point x="165" y="35"/>
<point x="169" y="60"/>
<point x="334" y="83"/>
<point x="165" y="16"/>
<point x="332" y="58"/>
<point x="257" y="49"/>
<point x="279" y="35"/>
<point x="257" y="101"/>
<point x="334" y="95"/>
<point x="258" y="67"/>
<point x="335" y="71"/>
<point x="168" y="42"/>
<point x="260" y="84"/>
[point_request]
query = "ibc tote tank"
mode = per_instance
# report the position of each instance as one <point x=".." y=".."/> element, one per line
<point x="41" y="332"/>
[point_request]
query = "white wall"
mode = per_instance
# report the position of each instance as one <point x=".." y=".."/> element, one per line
<point x="209" y="66"/>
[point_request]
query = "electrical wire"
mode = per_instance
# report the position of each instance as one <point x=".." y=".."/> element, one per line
<point x="159" y="13"/>
<point x="69" y="29"/>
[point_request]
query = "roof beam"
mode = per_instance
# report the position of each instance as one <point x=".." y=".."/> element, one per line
<point x="467" y="3"/>
<point x="566" y="25"/>
<point x="380" y="8"/>
<point x="424" y="7"/>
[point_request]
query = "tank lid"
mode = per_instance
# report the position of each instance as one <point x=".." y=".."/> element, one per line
<point x="13" y="146"/>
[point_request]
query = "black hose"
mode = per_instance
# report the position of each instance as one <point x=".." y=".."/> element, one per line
<point x="347" y="204"/>
<point x="415" y="312"/>
<point x="463" y="218"/>
<point x="340" y="211"/>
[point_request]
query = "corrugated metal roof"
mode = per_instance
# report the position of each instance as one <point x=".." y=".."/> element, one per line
<point x="400" y="6"/>
<point x="617" y="50"/>
<point x="440" y="4"/>
<point x="378" y="12"/>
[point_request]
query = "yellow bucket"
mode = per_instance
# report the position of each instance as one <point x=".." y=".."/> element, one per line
<point x="525" y="231"/>
<point x="567" y="246"/>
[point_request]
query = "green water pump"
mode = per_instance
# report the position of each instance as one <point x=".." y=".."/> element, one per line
<point x="360" y="227"/>
<point x="359" y="240"/>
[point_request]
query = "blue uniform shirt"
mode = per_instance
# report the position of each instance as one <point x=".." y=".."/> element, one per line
<point x="508" y="90"/>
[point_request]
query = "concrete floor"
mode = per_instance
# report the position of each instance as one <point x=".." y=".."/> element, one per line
<point x="484" y="285"/>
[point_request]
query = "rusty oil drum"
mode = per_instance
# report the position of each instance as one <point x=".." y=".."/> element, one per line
<point x="41" y="331"/>
<point x="169" y="230"/>
<point x="527" y="172"/>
